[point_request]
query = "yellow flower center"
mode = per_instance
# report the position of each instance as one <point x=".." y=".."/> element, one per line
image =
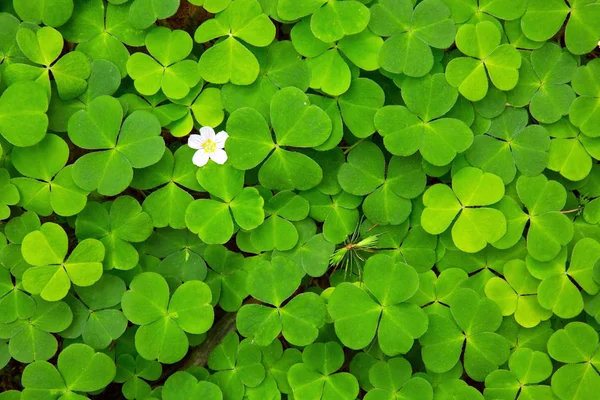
<point x="209" y="146"/>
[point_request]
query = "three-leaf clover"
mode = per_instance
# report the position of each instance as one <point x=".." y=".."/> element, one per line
<point x="297" y="124"/>
<point x="316" y="377"/>
<point x="388" y="197"/>
<point x="411" y="33"/>
<point x="228" y="60"/>
<point x="576" y="346"/>
<point x="475" y="320"/>
<point x="358" y="317"/>
<point x="237" y="366"/>
<point x="52" y="275"/>
<point x="78" y="369"/>
<point x="47" y="185"/>
<point x="584" y="112"/>
<point x="273" y="283"/>
<point x="543" y="83"/>
<point x="213" y="220"/>
<point x="43" y="47"/>
<point x="392" y="379"/>
<point x="133" y="374"/>
<point x="164" y="321"/>
<point x="419" y="126"/>
<point x="527" y="368"/>
<point x="116" y="225"/>
<point x="134" y="144"/>
<point x="477" y="225"/>
<point x="486" y="56"/>
<point x="166" y="67"/>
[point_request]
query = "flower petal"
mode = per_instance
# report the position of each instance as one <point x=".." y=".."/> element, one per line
<point x="220" y="139"/>
<point x="195" y="142"/>
<point x="219" y="156"/>
<point x="200" y="158"/>
<point x="207" y="133"/>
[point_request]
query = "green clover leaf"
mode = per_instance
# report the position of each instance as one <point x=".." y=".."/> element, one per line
<point x="31" y="339"/>
<point x="184" y="385"/>
<point x="164" y="322"/>
<point x="463" y="11"/>
<point x="23" y="119"/>
<point x="237" y="366"/>
<point x="527" y="368"/>
<point x="51" y="275"/>
<point x="393" y="378"/>
<point x="116" y="225"/>
<point x="583" y="112"/>
<point x="475" y="227"/>
<point x="273" y="283"/>
<point x="144" y="13"/>
<point x="229" y="60"/>
<point x="511" y="145"/>
<point x="474" y="320"/>
<point x="166" y="70"/>
<point x="315" y="377"/>
<point x="79" y="369"/>
<point x="102" y="31"/>
<point x="134" y="144"/>
<point x="226" y="277"/>
<point x="418" y="126"/>
<point x="543" y="83"/>
<point x="9" y="194"/>
<point x="411" y="34"/>
<point x="575" y="345"/>
<point x="396" y="322"/>
<point x="542" y="20"/>
<point x="486" y="56"/>
<point x="52" y="13"/>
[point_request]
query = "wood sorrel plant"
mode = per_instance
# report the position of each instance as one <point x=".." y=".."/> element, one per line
<point x="299" y="199"/>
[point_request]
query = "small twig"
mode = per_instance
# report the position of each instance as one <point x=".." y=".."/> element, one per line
<point x="571" y="211"/>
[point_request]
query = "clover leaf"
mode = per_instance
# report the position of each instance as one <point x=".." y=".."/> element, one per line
<point x="134" y="144"/>
<point x="79" y="369"/>
<point x="163" y="322"/>
<point x="396" y="322"/>
<point x="527" y="368"/>
<point x="475" y="227"/>
<point x="542" y="20"/>
<point x="474" y="320"/>
<point x="9" y="195"/>
<point x="226" y="277"/>
<point x="486" y="56"/>
<point x="237" y="366"/>
<point x="229" y="60"/>
<point x="388" y="200"/>
<point x="166" y="69"/>
<point x="143" y="13"/>
<point x="102" y="323"/>
<point x="543" y="83"/>
<point x="393" y="379"/>
<point x="419" y="126"/>
<point x="296" y="123"/>
<point x="474" y="10"/>
<point x="548" y="228"/>
<point x="411" y="33"/>
<point x="518" y="294"/>
<point x="51" y="275"/>
<point x="511" y="145"/>
<point x="575" y="345"/>
<point x="172" y="175"/>
<point x="31" y="339"/>
<point x="213" y="220"/>
<point x="102" y="32"/>
<point x="116" y="225"/>
<point x="47" y="185"/>
<point x="180" y="253"/>
<point x="134" y="372"/>
<point x="184" y="385"/>
<point x="52" y="13"/>
<point x="272" y="283"/>
<point x="14" y="303"/>
<point x="583" y="112"/>
<point x="23" y="119"/>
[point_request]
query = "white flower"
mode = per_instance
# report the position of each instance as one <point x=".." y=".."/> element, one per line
<point x="208" y="145"/>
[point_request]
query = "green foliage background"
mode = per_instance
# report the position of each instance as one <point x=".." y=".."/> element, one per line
<point x="409" y="208"/>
